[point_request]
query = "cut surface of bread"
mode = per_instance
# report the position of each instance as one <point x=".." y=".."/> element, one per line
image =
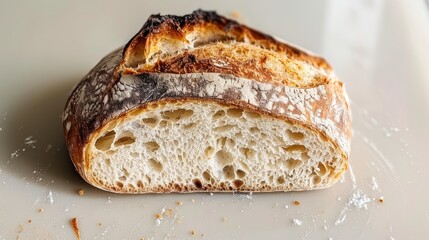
<point x="202" y="103"/>
<point x="202" y="145"/>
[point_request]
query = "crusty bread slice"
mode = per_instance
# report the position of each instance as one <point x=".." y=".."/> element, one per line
<point x="202" y="103"/>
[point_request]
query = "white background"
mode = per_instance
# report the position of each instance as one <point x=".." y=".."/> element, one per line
<point x="378" y="48"/>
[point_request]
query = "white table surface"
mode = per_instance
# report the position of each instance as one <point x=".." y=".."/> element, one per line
<point x="380" y="49"/>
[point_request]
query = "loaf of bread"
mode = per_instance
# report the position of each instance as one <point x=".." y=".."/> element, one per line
<point x="202" y="103"/>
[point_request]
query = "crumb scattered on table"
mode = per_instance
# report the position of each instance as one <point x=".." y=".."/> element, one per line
<point x="179" y="203"/>
<point x="75" y="227"/>
<point x="225" y="219"/>
<point x="40" y="210"/>
<point x="193" y="232"/>
<point x="168" y="212"/>
<point x="296" y="203"/>
<point x="99" y="224"/>
<point x="29" y="221"/>
<point x="158" y="216"/>
<point x="381" y="199"/>
<point x="81" y="192"/>
<point x="235" y="15"/>
<point x="296" y="222"/>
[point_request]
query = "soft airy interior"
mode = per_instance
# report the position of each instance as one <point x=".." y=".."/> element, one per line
<point x="206" y="146"/>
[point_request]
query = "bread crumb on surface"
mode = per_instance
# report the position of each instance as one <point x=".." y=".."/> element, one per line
<point x="381" y="199"/>
<point x="235" y="15"/>
<point x="179" y="203"/>
<point x="158" y="216"/>
<point x="168" y="212"/>
<point x="29" y="221"/>
<point x="193" y="232"/>
<point x="296" y="222"/>
<point x="225" y="219"/>
<point x="75" y="227"/>
<point x="296" y="203"/>
<point x="40" y="210"/>
<point x="193" y="200"/>
<point x="99" y="224"/>
<point x="81" y="192"/>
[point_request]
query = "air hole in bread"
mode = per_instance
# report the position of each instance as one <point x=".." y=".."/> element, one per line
<point x="135" y="155"/>
<point x="240" y="173"/>
<point x="207" y="176"/>
<point x="176" y="115"/>
<point x="125" y="172"/>
<point x="108" y="162"/>
<point x="295" y="147"/>
<point x="148" y="179"/>
<point x="223" y="158"/>
<point x="255" y="130"/>
<point x="208" y="152"/>
<point x="126" y="138"/>
<point x="155" y="165"/>
<point x="244" y="165"/>
<point x="247" y="152"/>
<point x="224" y="128"/>
<point x="119" y="184"/>
<point x="177" y="187"/>
<point x="197" y="183"/>
<point x="105" y="142"/>
<point x="294" y="135"/>
<point x="238" y="135"/>
<point x="234" y="112"/>
<point x="224" y="141"/>
<point x="152" y="146"/>
<point x="163" y="124"/>
<point x="252" y="115"/>
<point x="228" y="172"/>
<point x="123" y="178"/>
<point x="292" y="163"/>
<point x="218" y="114"/>
<point x="188" y="126"/>
<point x="321" y="169"/>
<point x="208" y="37"/>
<point x="316" y="179"/>
<point x="140" y="184"/>
<point x="305" y="156"/>
<point x="323" y="137"/>
<point x="237" y="183"/>
<point x="131" y="186"/>
<point x="280" y="180"/>
<point x="150" y="122"/>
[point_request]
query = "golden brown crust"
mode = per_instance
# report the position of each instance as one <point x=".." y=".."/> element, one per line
<point x="175" y="29"/>
<point x="241" y="60"/>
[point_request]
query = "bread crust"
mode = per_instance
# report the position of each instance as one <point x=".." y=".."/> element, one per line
<point x="111" y="91"/>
